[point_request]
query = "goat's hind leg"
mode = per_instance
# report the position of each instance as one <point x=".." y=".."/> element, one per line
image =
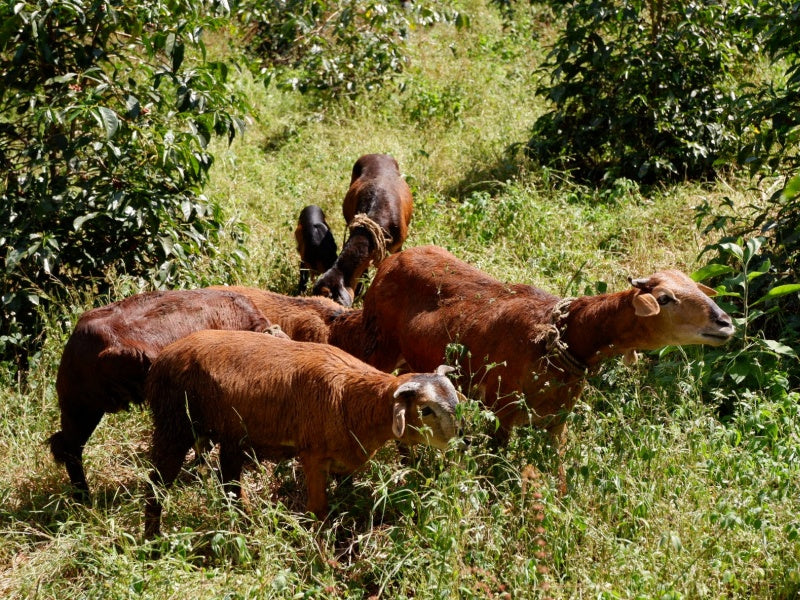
<point x="67" y="446"/>
<point x="167" y="453"/>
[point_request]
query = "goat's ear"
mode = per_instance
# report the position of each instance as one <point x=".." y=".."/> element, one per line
<point x="707" y="290"/>
<point x="645" y="305"/>
<point x="444" y="369"/>
<point x="399" y="418"/>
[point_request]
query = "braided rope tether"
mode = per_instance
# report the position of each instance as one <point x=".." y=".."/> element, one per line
<point x="555" y="342"/>
<point x="379" y="235"/>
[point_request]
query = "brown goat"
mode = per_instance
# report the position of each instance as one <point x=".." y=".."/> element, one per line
<point x="276" y="399"/>
<point x="540" y="347"/>
<point x="310" y="318"/>
<point x="106" y="358"/>
<point x="377" y="208"/>
<point x="315" y="244"/>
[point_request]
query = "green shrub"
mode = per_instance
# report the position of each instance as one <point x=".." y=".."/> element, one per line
<point x="332" y="48"/>
<point x="105" y="117"/>
<point x="639" y="91"/>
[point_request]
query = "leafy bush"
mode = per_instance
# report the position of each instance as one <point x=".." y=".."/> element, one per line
<point x="332" y="48"/>
<point x="639" y="90"/>
<point x="763" y="358"/>
<point x="758" y="257"/>
<point x="104" y="126"/>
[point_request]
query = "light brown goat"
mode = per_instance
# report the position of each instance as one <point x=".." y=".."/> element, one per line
<point x="310" y="318"/>
<point x="277" y="399"/>
<point x="540" y="347"/>
<point x="377" y="208"/>
<point x="106" y="358"/>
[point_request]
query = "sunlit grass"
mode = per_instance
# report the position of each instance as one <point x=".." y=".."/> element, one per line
<point x="666" y="500"/>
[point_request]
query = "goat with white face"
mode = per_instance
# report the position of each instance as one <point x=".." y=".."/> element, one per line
<point x="276" y="399"/>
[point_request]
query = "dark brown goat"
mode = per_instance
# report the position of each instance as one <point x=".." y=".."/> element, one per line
<point x="377" y="208"/>
<point x="540" y="347"/>
<point x="107" y="357"/>
<point x="315" y="244"/>
<point x="283" y="399"/>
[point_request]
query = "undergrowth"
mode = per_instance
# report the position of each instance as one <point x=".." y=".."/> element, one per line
<point x="677" y="488"/>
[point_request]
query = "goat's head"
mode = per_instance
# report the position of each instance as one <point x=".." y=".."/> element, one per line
<point x="331" y="284"/>
<point x="315" y="243"/>
<point x="674" y="310"/>
<point x="425" y="409"/>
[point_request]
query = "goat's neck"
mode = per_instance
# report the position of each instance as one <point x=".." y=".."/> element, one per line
<point x="369" y="410"/>
<point x="355" y="257"/>
<point x="599" y="327"/>
<point x="348" y="333"/>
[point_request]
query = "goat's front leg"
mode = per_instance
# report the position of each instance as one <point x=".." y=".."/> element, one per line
<point x="316" y="472"/>
<point x="558" y="440"/>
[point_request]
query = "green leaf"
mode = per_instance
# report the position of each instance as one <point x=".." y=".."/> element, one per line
<point x="79" y="221"/>
<point x="732" y="249"/>
<point x="711" y="270"/>
<point x="779" y="348"/>
<point x="792" y="188"/>
<point x="778" y="291"/>
<point x="109" y="120"/>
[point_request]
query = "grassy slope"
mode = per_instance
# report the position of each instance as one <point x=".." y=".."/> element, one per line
<point x="665" y="500"/>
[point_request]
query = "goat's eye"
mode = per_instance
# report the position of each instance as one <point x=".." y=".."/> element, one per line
<point x="663" y="299"/>
<point x="426" y="411"/>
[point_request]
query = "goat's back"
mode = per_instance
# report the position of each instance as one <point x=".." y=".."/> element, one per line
<point x="423" y="299"/>
<point x="378" y="190"/>
<point x="278" y="393"/>
<point x="108" y="354"/>
<point x="302" y="318"/>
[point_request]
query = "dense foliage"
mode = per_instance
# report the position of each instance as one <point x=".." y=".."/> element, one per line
<point x="106" y="111"/>
<point x="668" y="497"/>
<point x="332" y="48"/>
<point x="639" y="90"/>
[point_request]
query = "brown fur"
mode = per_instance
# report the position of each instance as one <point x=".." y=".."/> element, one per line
<point x="310" y="319"/>
<point x="424" y="298"/>
<point x="106" y="358"/>
<point x="278" y="399"/>
<point x="378" y="190"/>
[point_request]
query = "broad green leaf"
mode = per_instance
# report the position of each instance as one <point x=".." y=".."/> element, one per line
<point x="778" y="291"/>
<point x="792" y="188"/>
<point x="109" y="120"/>
<point x="711" y="270"/>
<point x="779" y="348"/>
<point x="79" y="221"/>
<point x="734" y="249"/>
<point x="752" y="248"/>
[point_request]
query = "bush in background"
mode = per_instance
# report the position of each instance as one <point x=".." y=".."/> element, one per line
<point x="105" y="117"/>
<point x="332" y="48"/>
<point x="640" y="90"/>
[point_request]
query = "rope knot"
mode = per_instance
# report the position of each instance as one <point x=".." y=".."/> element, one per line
<point x="379" y="235"/>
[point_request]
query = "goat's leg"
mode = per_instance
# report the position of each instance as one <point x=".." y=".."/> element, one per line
<point x="316" y="473"/>
<point x="67" y="446"/>
<point x="231" y="460"/>
<point x="167" y="456"/>
<point x="558" y="440"/>
<point x="302" y="284"/>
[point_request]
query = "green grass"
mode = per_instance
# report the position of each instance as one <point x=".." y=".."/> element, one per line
<point x="666" y="499"/>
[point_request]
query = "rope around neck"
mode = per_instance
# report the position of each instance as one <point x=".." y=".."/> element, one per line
<point x="379" y="236"/>
<point x="555" y="343"/>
